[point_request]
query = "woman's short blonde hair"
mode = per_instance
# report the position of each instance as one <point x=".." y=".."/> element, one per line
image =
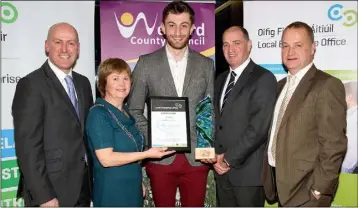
<point x="106" y="68"/>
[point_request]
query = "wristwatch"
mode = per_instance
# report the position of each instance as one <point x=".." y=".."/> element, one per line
<point x="226" y="163"/>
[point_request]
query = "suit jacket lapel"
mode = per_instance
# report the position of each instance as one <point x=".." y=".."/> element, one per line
<point x="239" y="85"/>
<point x="189" y="71"/>
<point x="299" y="93"/>
<point x="280" y="86"/>
<point x="164" y="70"/>
<point x="80" y="98"/>
<point x="56" y="84"/>
<point x="221" y="82"/>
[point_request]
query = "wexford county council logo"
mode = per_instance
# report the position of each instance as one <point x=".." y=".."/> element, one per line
<point x="127" y="25"/>
<point x="8" y="13"/>
<point x="127" y="19"/>
<point x="335" y="14"/>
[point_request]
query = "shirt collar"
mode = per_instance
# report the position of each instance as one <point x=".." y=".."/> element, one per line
<point x="58" y="72"/>
<point x="240" y="68"/>
<point x="170" y="56"/>
<point x="299" y="75"/>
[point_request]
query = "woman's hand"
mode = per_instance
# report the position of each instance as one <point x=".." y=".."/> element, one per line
<point x="144" y="190"/>
<point x="158" y="152"/>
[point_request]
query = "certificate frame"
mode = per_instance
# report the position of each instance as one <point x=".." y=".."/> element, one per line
<point x="172" y="105"/>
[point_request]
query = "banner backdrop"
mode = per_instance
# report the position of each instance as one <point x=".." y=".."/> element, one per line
<point x="335" y="28"/>
<point x="24" y="27"/>
<point x="131" y="29"/>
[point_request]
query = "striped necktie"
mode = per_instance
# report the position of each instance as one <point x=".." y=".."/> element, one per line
<point x="228" y="89"/>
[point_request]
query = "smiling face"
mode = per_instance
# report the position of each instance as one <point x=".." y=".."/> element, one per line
<point x="118" y="86"/>
<point x="297" y="49"/>
<point x="62" y="46"/>
<point x="235" y="47"/>
<point x="177" y="29"/>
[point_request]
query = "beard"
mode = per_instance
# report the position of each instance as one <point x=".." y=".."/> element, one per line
<point x="177" y="45"/>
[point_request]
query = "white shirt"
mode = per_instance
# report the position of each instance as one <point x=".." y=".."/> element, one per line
<point x="298" y="76"/>
<point x="238" y="70"/>
<point x="178" y="69"/>
<point x="60" y="75"/>
<point x="351" y="159"/>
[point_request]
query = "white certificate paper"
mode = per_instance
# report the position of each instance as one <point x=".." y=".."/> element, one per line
<point x="168" y="122"/>
<point x="169" y="129"/>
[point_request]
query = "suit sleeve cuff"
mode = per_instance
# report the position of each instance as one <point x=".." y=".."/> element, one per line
<point x="219" y="149"/>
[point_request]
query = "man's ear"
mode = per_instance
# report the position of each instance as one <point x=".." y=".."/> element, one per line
<point x="162" y="28"/>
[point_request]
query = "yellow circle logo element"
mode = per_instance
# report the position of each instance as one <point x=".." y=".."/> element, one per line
<point x="127" y="18"/>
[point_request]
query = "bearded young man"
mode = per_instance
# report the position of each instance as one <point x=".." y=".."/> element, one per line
<point x="174" y="71"/>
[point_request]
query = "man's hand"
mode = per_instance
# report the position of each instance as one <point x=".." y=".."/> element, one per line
<point x="158" y="152"/>
<point x="51" y="203"/>
<point x="220" y="166"/>
<point x="220" y="158"/>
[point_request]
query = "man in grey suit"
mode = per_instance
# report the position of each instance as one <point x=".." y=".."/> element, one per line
<point x="244" y="102"/>
<point x="176" y="71"/>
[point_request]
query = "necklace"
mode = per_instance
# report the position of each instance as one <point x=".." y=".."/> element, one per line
<point x="139" y="149"/>
<point x="127" y="132"/>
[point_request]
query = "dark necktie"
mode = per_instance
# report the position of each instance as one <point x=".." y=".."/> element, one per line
<point x="228" y="89"/>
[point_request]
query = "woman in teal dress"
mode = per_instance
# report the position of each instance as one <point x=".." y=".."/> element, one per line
<point x="115" y="143"/>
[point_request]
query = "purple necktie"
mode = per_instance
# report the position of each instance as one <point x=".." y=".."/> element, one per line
<point x="71" y="93"/>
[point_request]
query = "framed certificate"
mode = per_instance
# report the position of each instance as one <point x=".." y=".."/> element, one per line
<point x="168" y="123"/>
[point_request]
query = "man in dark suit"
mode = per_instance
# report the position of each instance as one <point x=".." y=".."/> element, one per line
<point x="244" y="101"/>
<point x="175" y="71"/>
<point x="308" y="134"/>
<point x="49" y="110"/>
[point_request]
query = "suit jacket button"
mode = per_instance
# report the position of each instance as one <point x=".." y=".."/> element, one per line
<point x="82" y="159"/>
<point x="220" y="146"/>
<point x="220" y="127"/>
